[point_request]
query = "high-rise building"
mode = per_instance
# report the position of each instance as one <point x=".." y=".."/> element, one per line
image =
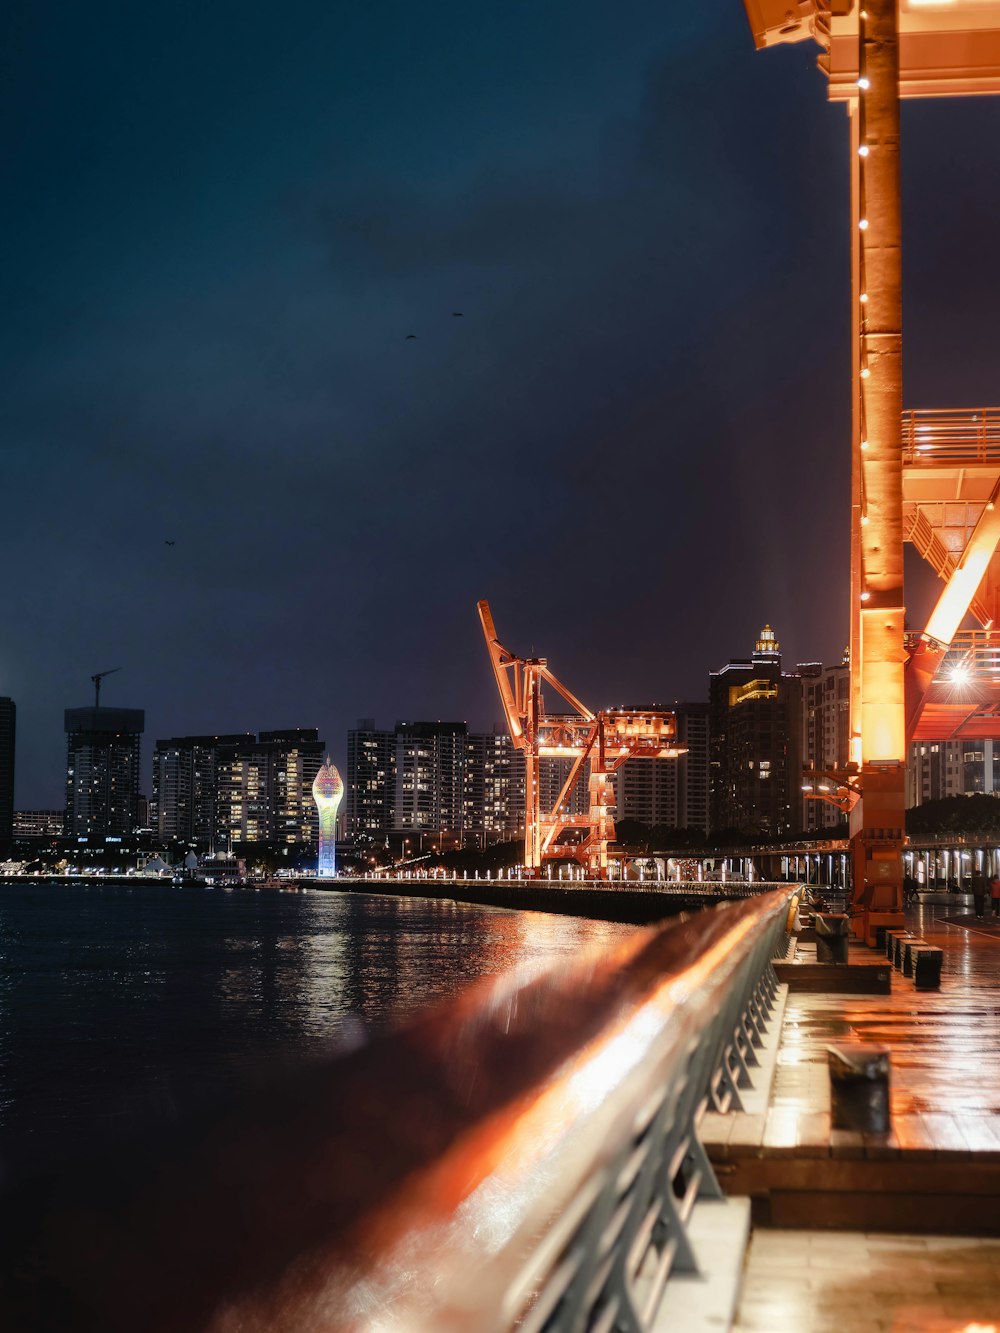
<point x="670" y="793"/>
<point x="102" y="771"/>
<point x="826" y="731"/>
<point x="754" y="744"/>
<point x="433" y="777"/>
<point x="493" y="797"/>
<point x="693" y="766"/>
<point x="430" y="773"/>
<point x="8" y="735"/>
<point x="935" y="769"/>
<point x="646" y="789"/>
<point x="185" y="777"/>
<point x="263" y="788"/>
<point x="370" y="801"/>
<point x="552" y="776"/>
<point x="295" y="757"/>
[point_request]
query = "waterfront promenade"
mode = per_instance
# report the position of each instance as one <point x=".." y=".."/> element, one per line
<point x="879" y="1232"/>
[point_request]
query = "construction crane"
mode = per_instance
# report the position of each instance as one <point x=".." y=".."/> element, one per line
<point x="97" y="678"/>
<point x="607" y="739"/>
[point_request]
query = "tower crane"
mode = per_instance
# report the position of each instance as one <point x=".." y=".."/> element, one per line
<point x="97" y="678"/>
<point x="607" y="739"/>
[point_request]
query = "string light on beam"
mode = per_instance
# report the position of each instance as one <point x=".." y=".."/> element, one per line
<point x="864" y="84"/>
<point x="862" y="224"/>
<point x="864" y="150"/>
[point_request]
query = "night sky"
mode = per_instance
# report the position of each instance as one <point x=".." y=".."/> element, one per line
<point x="220" y="224"/>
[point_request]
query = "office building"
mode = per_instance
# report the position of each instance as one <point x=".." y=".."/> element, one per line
<point x="755" y="744"/>
<point x="102" y="771"/>
<point x="8" y="736"/>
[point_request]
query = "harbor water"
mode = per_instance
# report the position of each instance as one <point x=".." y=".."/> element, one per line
<point x="121" y="1001"/>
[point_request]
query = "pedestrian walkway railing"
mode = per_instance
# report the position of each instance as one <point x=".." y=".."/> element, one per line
<point x="524" y="1157"/>
<point x="731" y="887"/>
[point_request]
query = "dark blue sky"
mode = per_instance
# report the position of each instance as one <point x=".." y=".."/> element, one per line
<point x="221" y="222"/>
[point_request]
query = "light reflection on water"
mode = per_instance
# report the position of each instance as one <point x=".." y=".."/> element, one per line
<point x="116" y="999"/>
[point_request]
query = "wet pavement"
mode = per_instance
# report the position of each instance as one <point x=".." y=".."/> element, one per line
<point x="945" y="1053"/>
<point x="850" y="1282"/>
<point x="936" y="1171"/>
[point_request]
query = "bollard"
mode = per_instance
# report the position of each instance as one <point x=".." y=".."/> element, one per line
<point x="891" y="936"/>
<point x="831" y="937"/>
<point x="899" y="948"/>
<point x="909" y="946"/>
<point x="859" y="1088"/>
<point x="927" y="967"/>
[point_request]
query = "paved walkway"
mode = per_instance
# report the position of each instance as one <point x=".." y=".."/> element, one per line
<point x="850" y="1282"/>
<point x="945" y="1045"/>
<point x="944" y="1146"/>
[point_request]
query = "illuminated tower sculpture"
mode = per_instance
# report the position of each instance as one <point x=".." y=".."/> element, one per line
<point x="328" y="791"/>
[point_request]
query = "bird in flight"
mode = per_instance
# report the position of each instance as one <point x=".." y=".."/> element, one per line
<point x="457" y="314"/>
<point x="168" y="542"/>
<point x="408" y="337"/>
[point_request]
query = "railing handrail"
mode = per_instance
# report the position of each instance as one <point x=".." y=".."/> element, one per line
<point x="933" y="435"/>
<point x="706" y="886"/>
<point x="440" y="1178"/>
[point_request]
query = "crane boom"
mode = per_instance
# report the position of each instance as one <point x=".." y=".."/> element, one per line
<point x="604" y="740"/>
<point x="97" y="677"/>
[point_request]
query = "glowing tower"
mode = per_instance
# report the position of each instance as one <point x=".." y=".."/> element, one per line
<point x="328" y="791"/>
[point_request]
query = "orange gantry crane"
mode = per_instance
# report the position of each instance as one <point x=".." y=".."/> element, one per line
<point x="604" y="740"/>
<point x="931" y="478"/>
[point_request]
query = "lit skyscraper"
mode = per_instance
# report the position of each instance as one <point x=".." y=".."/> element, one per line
<point x="102" y="771"/>
<point x="8" y="719"/>
<point x="327" y="792"/>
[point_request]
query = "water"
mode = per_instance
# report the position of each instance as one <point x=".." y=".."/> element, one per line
<point x="119" y="1000"/>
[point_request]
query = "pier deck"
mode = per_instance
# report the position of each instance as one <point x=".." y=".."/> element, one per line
<point x="871" y="1232"/>
<point x="939" y="1167"/>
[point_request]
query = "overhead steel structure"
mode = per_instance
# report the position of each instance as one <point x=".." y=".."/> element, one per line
<point x="600" y="741"/>
<point x="931" y="478"/>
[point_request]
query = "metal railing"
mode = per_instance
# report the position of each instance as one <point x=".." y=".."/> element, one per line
<point x="972" y="658"/>
<point x="731" y="886"/>
<point x="960" y="435"/>
<point x="524" y="1157"/>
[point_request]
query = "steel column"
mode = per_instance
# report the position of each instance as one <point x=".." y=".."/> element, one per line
<point x="877" y="664"/>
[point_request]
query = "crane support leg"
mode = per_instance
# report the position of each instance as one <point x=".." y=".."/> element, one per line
<point x="878" y="720"/>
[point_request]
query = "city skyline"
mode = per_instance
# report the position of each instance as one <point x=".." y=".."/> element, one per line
<point x="149" y="742"/>
<point x="610" y="270"/>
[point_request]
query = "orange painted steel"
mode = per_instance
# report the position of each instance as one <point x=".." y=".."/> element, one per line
<point x="599" y="741"/>
<point x="951" y="506"/>
<point x="936" y="481"/>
